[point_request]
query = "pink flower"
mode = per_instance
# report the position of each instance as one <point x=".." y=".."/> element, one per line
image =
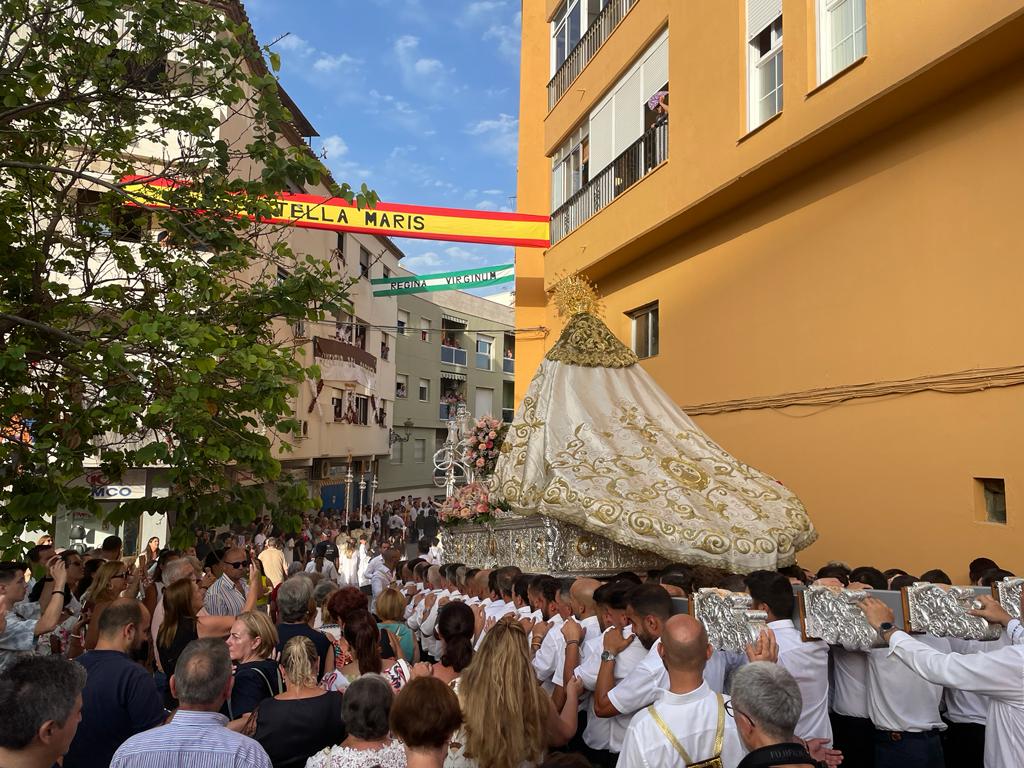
<point x="480" y="462"/>
<point x="483" y="446"/>
<point x="492" y="434"/>
<point x="490" y="444"/>
<point x="481" y="509"/>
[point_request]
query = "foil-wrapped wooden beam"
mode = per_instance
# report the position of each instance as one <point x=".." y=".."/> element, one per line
<point x="834" y="615"/>
<point x="1008" y="593"/>
<point x="940" y="610"/>
<point x="731" y="623"/>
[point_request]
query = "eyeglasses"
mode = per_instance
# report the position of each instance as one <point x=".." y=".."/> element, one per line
<point x="733" y="712"/>
<point x="239" y="564"/>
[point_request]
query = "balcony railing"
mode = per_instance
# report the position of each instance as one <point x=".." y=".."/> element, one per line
<point x="592" y="40"/>
<point x="508" y="365"/>
<point x="453" y="355"/>
<point x="639" y="159"/>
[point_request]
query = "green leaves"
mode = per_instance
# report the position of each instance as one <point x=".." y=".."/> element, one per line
<point x="134" y="338"/>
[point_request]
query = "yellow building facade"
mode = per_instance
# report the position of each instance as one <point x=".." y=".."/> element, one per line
<point x="812" y="240"/>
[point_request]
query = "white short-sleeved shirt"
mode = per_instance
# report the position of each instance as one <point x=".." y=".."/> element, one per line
<point x="640" y="687"/>
<point x="606" y="732"/>
<point x="808" y="664"/>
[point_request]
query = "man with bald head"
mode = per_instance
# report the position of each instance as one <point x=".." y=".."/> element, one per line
<point x="687" y="724"/>
<point x="226" y="596"/>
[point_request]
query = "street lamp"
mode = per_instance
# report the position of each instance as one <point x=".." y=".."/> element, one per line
<point x="348" y="490"/>
<point x="362" y="489"/>
<point x="394" y="437"/>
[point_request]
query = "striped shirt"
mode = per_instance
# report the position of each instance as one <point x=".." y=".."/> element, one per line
<point x="223" y="598"/>
<point x="191" y="740"/>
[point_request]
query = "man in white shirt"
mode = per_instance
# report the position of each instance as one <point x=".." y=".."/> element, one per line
<point x="687" y="723"/>
<point x="521" y="598"/>
<point x="543" y="641"/>
<point x="967" y="712"/>
<point x="807" y="662"/>
<point x="382" y="575"/>
<point x="999" y="675"/>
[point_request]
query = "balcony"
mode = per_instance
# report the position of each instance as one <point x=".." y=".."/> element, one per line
<point x="581" y="54"/>
<point x="639" y="159"/>
<point x="508" y="365"/>
<point x="453" y="355"/>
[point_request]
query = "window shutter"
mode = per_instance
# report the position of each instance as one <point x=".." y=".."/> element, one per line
<point x="761" y="13"/>
<point x="629" y="112"/>
<point x="557" y="186"/>
<point x="656" y="69"/>
<point x="602" y="150"/>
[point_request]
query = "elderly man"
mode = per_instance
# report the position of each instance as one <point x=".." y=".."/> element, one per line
<point x="226" y="596"/>
<point x="296" y="605"/>
<point x="196" y="737"/>
<point x="687" y="724"/>
<point x="41" y="698"/>
<point x="766" y="707"/>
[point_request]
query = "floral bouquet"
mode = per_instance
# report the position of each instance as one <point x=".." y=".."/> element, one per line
<point x="471" y="503"/>
<point x="483" y="445"/>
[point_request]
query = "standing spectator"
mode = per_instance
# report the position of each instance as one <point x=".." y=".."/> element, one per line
<point x="304" y="718"/>
<point x="382" y="574"/>
<point x="251" y="641"/>
<point x="38" y="556"/>
<point x="349" y="564"/>
<point x="112" y="548"/>
<point x="19" y="634"/>
<point x="152" y="551"/>
<point x="41" y="702"/>
<point x="203" y="547"/>
<point x="391" y="613"/>
<point x="226" y="596"/>
<point x="112" y="580"/>
<point x="296" y="606"/>
<point x="153" y="592"/>
<point x="196" y="736"/>
<point x="274" y="565"/>
<point x="120" y="698"/>
<point x="324" y="558"/>
<point x="365" y="710"/>
<point x="59" y="640"/>
<point x="424" y="716"/>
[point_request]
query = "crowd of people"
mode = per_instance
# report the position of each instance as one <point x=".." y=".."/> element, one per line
<point x="340" y="652"/>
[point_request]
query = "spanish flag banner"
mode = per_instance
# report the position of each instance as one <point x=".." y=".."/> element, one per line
<point x="391" y="219"/>
<point x="445" y="281"/>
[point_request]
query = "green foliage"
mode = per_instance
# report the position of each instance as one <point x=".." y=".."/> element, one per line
<point x="113" y="346"/>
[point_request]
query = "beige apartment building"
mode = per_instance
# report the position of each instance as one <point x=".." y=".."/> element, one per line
<point x="802" y="215"/>
<point x="451" y="346"/>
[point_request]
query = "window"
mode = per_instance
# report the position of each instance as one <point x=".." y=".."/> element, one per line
<point x="385" y="272"/>
<point x="419" y="450"/>
<point x="125" y="223"/>
<point x="570" y="166"/>
<point x="424" y="329"/>
<point x="364" y="262"/>
<point x="484" y="402"/>
<point x="566" y="29"/>
<point x="396" y="453"/>
<point x="424" y="390"/>
<point x="842" y="35"/>
<point x="645" y="330"/>
<point x="764" y="83"/>
<point x="403" y="322"/>
<point x="362" y="409"/>
<point x="991" y="499"/>
<point x="385" y="346"/>
<point x="339" y="248"/>
<point x="142" y="75"/>
<point x="402" y="385"/>
<point x="484" y="345"/>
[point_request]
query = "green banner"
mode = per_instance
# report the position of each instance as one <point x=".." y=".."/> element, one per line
<point x="445" y="281"/>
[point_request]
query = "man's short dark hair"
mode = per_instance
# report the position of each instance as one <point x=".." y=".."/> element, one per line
<point x="978" y="567"/>
<point x="990" y="577"/>
<point x="614" y="594"/>
<point x="35" y="690"/>
<point x="202" y="671"/>
<point x="891" y="572"/>
<point x="470" y="573"/>
<point x="10" y="570"/>
<point x="492" y="581"/>
<point x="902" y="581"/>
<point x="651" y="599"/>
<point x="774" y="590"/>
<point x="547" y="587"/>
<point x="34" y="553"/>
<point x="112" y="544"/>
<point x="521" y="587"/>
<point x="120" y="613"/>
<point x="506" y="579"/>
<point x="627" y="576"/>
<point x="422" y="546"/>
<point x="936" y="576"/>
<point x="794" y="572"/>
<point x="871" y="576"/>
<point x="835" y="571"/>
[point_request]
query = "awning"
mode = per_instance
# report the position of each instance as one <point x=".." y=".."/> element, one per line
<point x="454" y="319"/>
<point x="451" y="376"/>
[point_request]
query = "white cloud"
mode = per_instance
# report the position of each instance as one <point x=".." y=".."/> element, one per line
<point x="461" y="254"/>
<point x="292" y="43"/>
<point x="498" y="136"/>
<point x="487" y="205"/>
<point x="329" y="63"/>
<point x="428" y="260"/>
<point x="493" y="192"/>
<point x="508" y="36"/>
<point x="421" y="74"/>
<point x="335" y="146"/>
<point x="479" y="11"/>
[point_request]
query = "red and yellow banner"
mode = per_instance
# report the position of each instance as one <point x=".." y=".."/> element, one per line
<point x="392" y="219"/>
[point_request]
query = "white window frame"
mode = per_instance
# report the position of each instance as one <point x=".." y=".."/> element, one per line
<point x="560" y="26"/>
<point x="403" y="322"/>
<point x="425" y="329"/>
<point x="419" y="390"/>
<point x="489" y="341"/>
<point x="564" y="182"/>
<point x="757" y="67"/>
<point x="402" y="378"/>
<point x="826" y="45"/>
<point x="646" y="314"/>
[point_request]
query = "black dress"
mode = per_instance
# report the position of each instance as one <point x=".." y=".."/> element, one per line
<point x="185" y="634"/>
<point x="293" y="730"/>
<point x="254" y="682"/>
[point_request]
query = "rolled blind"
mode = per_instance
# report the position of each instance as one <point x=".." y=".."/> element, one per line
<point x="629" y="112"/>
<point x="602" y="148"/>
<point x="656" y="69"/>
<point x="761" y="13"/>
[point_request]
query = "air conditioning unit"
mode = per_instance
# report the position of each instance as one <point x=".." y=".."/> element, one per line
<point x="325" y="470"/>
<point x="304" y="430"/>
<point x="299" y="327"/>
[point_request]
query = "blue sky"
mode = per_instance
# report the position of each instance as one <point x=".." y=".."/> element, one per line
<point x="418" y="98"/>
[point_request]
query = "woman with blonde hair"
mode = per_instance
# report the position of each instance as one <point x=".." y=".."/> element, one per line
<point x="509" y="721"/>
<point x="182" y="623"/>
<point x="302" y="720"/>
<point x="390" y="609"/>
<point x="112" y="580"/>
<point x="257" y="676"/>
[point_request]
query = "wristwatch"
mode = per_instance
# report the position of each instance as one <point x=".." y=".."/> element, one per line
<point x="883" y="628"/>
<point x="607" y="656"/>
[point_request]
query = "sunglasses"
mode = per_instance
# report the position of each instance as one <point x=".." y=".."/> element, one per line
<point x="239" y="564"/>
